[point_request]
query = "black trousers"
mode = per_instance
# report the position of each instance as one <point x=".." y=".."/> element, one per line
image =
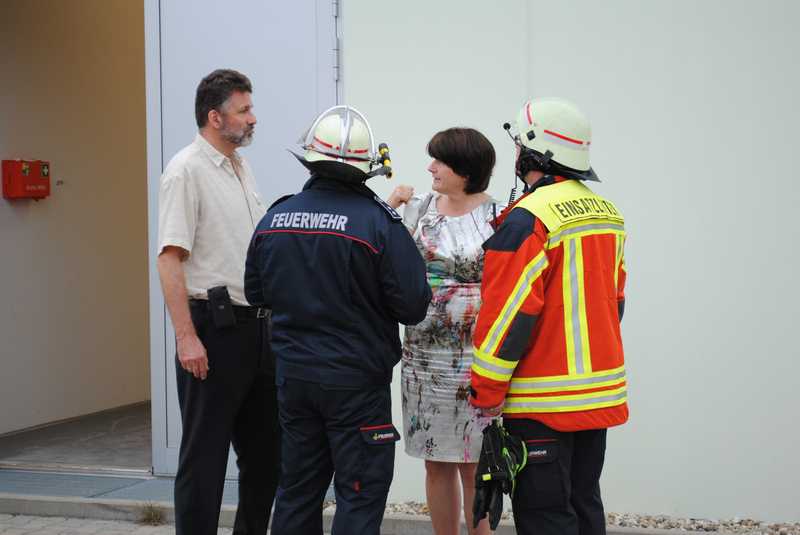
<point x="235" y="404"/>
<point x="329" y="429"/>
<point x="558" y="492"/>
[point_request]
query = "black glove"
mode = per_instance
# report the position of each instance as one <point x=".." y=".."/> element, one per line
<point x="479" y="503"/>
<point x="502" y="457"/>
<point x="488" y="500"/>
<point x="495" y="507"/>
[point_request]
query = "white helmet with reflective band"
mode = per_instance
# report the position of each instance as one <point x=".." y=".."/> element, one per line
<point x="557" y="126"/>
<point x="341" y="134"/>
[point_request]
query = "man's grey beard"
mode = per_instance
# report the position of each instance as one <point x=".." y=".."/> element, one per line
<point x="240" y="140"/>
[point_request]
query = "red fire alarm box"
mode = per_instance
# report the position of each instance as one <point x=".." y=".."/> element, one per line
<point x="26" y="179"/>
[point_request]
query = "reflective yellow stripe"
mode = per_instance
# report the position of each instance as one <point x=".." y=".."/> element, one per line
<point x="521" y="290"/>
<point x="492" y="367"/>
<point x="545" y="389"/>
<point x="566" y="403"/>
<point x="490" y="374"/>
<point x="556" y="383"/>
<point x="617" y="257"/>
<point x="585" y="354"/>
<point x="620" y="265"/>
<point x="583" y="228"/>
<point x="563" y="378"/>
<point x="576" y="327"/>
<point x="567" y="298"/>
<point x="493" y="362"/>
<point x="575" y="398"/>
<point x="586" y="407"/>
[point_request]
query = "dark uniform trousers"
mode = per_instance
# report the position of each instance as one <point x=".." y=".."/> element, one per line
<point x="235" y="404"/>
<point x="333" y="429"/>
<point x="558" y="492"/>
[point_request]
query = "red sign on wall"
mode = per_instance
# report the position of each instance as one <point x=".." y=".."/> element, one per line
<point x="26" y="179"/>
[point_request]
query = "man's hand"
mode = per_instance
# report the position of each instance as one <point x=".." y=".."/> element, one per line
<point x="191" y="352"/>
<point x="400" y="195"/>
<point x="487" y="412"/>
<point x="491" y="412"/>
<point x="192" y="356"/>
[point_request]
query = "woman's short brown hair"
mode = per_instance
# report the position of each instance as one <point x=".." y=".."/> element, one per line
<point x="468" y="153"/>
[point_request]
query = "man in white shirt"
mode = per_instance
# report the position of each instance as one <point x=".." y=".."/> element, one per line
<point x="208" y="209"/>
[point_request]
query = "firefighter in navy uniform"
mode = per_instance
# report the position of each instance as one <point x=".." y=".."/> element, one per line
<point x="548" y="349"/>
<point x="339" y="271"/>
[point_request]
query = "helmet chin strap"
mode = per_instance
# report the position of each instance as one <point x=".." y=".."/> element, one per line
<point x="530" y="160"/>
<point x="527" y="161"/>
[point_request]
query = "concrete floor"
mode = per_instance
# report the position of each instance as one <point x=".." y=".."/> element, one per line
<point x="118" y="439"/>
<point x="68" y="485"/>
<point x="43" y="525"/>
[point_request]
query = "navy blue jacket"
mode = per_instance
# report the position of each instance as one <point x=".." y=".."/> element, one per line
<point x="339" y="271"/>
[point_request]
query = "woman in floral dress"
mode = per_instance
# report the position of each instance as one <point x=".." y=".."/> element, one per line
<point x="449" y="226"/>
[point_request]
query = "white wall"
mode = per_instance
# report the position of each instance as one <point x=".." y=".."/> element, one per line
<point x="694" y="123"/>
<point x="414" y="68"/>
<point x="73" y="274"/>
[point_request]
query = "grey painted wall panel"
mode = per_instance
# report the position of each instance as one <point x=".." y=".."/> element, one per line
<point x="694" y="113"/>
<point x="286" y="48"/>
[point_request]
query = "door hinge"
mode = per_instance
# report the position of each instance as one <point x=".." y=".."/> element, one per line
<point x="337" y="50"/>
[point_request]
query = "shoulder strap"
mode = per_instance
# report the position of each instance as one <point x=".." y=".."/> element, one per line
<point x="392" y="212"/>
<point x="426" y="203"/>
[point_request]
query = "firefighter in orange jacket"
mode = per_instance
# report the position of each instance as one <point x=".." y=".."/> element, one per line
<point x="548" y="349"/>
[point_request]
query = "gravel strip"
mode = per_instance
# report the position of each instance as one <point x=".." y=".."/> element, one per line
<point x="733" y="525"/>
<point x="627" y="520"/>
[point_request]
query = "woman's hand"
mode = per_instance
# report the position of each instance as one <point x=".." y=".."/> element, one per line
<point x="400" y="195"/>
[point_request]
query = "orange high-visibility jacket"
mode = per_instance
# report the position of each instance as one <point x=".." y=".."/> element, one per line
<point x="547" y="338"/>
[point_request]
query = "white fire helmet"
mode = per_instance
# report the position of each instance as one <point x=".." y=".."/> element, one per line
<point x="557" y="126"/>
<point x="341" y="134"/>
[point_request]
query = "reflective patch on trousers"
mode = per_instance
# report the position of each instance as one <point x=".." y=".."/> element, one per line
<point x="542" y="451"/>
<point x="541" y="484"/>
<point x="379" y="434"/>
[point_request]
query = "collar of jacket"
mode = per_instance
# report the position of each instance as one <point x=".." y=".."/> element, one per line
<point x="546" y="180"/>
<point x="331" y="183"/>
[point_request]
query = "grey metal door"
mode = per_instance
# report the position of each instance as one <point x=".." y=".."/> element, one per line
<point x="289" y="51"/>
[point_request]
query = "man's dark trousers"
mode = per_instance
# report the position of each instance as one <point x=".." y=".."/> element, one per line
<point x="558" y="492"/>
<point x="329" y="429"/>
<point x="235" y="404"/>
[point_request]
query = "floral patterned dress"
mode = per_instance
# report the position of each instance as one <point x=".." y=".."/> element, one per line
<point x="439" y="423"/>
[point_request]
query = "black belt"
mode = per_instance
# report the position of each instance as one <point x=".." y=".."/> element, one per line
<point x="241" y="312"/>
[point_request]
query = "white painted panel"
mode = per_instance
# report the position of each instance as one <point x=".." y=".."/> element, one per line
<point x="417" y="67"/>
<point x="694" y="112"/>
<point x="286" y="49"/>
<point x="694" y="109"/>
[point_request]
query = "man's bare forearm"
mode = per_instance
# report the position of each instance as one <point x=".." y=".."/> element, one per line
<point x="173" y="284"/>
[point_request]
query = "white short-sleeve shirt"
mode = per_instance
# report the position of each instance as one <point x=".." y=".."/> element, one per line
<point x="209" y="211"/>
